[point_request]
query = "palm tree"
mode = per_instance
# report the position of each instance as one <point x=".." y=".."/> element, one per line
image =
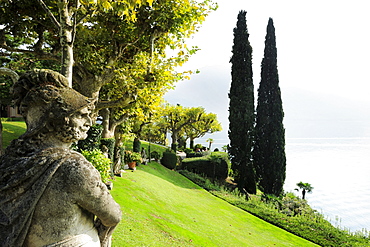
<point x="305" y="187"/>
<point x="210" y="140"/>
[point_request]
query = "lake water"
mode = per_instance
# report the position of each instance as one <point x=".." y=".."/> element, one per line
<point x="339" y="171"/>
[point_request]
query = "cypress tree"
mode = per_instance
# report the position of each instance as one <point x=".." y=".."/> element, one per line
<point x="269" y="149"/>
<point x="241" y="109"/>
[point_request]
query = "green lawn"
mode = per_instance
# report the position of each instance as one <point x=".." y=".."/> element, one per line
<point x="12" y="130"/>
<point x="162" y="208"/>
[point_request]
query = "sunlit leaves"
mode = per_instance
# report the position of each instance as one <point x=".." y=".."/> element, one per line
<point x="106" y="5"/>
<point x="207" y="123"/>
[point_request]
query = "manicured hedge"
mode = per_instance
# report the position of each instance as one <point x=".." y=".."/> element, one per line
<point x="214" y="166"/>
<point x="136" y="145"/>
<point x="169" y="160"/>
<point x="197" y="154"/>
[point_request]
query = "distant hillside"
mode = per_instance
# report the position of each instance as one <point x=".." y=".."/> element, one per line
<point x="163" y="208"/>
<point x="307" y="113"/>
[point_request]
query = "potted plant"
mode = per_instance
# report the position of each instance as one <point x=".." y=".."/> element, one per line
<point x="155" y="155"/>
<point x="131" y="158"/>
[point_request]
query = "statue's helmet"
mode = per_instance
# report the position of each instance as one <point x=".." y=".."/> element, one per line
<point x="44" y="98"/>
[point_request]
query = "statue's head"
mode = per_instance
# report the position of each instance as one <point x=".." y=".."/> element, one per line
<point x="48" y="105"/>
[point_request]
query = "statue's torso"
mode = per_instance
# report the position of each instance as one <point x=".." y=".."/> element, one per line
<point x="59" y="214"/>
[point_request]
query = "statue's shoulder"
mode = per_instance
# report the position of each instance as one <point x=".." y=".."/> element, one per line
<point x="76" y="166"/>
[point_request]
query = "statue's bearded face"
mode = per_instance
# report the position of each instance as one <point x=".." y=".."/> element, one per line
<point x="76" y="126"/>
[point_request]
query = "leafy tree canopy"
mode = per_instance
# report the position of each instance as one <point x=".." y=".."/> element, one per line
<point x="119" y="47"/>
<point x="207" y="124"/>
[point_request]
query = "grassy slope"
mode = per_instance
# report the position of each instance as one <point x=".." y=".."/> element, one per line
<point x="12" y="130"/>
<point x="161" y="207"/>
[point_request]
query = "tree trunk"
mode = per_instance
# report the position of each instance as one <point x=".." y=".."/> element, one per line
<point x="67" y="61"/>
<point x="210" y="144"/>
<point x="66" y="41"/>
<point x="107" y="130"/>
<point x="303" y="194"/>
<point x="174" y="140"/>
<point x="191" y="143"/>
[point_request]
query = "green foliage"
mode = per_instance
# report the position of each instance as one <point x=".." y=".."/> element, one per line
<point x="207" y="123"/>
<point x="109" y="143"/>
<point x="269" y="148"/>
<point x="169" y="159"/>
<point x="92" y="141"/>
<point x="5" y="95"/>
<point x="198" y="146"/>
<point x="305" y="187"/>
<point x="293" y="206"/>
<point x="188" y="151"/>
<point x="197" y="154"/>
<point x="99" y="161"/>
<point x="175" y="118"/>
<point x="132" y="157"/>
<point x="137" y="145"/>
<point x="125" y="63"/>
<point x="215" y="165"/>
<point x="241" y="108"/>
<point x="155" y="155"/>
<point x="142" y="72"/>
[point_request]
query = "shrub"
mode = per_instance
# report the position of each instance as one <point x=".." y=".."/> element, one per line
<point x="214" y="166"/>
<point x="306" y="223"/>
<point x="197" y="154"/>
<point x="99" y="161"/>
<point x="93" y="139"/>
<point x="155" y="155"/>
<point x="198" y="146"/>
<point x="169" y="159"/>
<point x="132" y="157"/>
<point x="188" y="150"/>
<point x="136" y="145"/>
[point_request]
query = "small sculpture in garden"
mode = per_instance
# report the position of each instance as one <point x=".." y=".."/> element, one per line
<point x="143" y="156"/>
<point x="49" y="194"/>
<point x="117" y="162"/>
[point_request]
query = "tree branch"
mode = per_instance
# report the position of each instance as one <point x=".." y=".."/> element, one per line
<point x="39" y="54"/>
<point x="50" y="14"/>
<point x="122" y="119"/>
<point x="126" y="100"/>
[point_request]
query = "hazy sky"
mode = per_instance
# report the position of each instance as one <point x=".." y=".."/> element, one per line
<point x="323" y="57"/>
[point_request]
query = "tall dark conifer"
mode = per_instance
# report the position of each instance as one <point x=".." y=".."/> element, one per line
<point x="241" y="108"/>
<point x="269" y="149"/>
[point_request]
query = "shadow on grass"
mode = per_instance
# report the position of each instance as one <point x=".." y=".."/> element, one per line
<point x="164" y="173"/>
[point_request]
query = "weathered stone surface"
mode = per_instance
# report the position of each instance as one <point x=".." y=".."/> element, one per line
<point x="50" y="195"/>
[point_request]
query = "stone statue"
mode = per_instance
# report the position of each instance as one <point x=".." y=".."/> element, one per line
<point x="49" y="194"/>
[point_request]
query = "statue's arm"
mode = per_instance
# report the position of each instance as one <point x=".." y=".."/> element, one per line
<point x="92" y="194"/>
